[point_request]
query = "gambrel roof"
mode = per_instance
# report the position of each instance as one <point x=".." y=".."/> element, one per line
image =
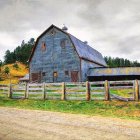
<point x="87" y="52"/>
<point x="84" y="51"/>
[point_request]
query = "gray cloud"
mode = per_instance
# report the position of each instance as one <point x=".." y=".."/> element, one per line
<point x="110" y="26"/>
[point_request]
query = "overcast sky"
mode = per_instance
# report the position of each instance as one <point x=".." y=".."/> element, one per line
<point x="110" y="26"/>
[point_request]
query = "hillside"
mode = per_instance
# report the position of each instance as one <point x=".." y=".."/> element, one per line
<point x="16" y="72"/>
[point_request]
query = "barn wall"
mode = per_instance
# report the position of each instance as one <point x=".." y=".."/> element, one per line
<point x="55" y="58"/>
<point x="85" y="65"/>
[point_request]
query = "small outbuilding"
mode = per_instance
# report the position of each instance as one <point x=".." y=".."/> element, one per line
<point x="113" y="74"/>
<point x="25" y="78"/>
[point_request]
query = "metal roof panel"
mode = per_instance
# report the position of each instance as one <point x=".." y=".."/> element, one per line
<point x="87" y="52"/>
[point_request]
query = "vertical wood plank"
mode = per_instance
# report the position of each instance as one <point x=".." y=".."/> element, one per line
<point x="25" y="93"/>
<point x="63" y="92"/>
<point x="136" y="90"/>
<point x="10" y="91"/>
<point x="107" y="95"/>
<point x="87" y="91"/>
<point x="44" y="93"/>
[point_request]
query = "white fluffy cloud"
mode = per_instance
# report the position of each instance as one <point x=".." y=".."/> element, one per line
<point x="110" y="26"/>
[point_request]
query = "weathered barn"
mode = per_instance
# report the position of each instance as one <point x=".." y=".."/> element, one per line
<point x="60" y="57"/>
<point x="113" y="74"/>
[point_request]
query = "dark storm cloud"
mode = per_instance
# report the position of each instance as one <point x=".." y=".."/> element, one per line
<point x="111" y="26"/>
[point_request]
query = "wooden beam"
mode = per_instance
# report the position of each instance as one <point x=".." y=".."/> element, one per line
<point x="107" y="95"/>
<point x="44" y="92"/>
<point x="87" y="91"/>
<point x="10" y="91"/>
<point x="136" y="90"/>
<point x="63" y="92"/>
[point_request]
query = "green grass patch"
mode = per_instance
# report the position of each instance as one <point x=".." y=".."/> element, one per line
<point x="123" y="92"/>
<point x="127" y="110"/>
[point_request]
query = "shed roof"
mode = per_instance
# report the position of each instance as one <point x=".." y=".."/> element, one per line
<point x="84" y="51"/>
<point x="119" y="71"/>
<point x="25" y="78"/>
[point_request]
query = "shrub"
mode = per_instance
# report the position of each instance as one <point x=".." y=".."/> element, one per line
<point x="16" y="66"/>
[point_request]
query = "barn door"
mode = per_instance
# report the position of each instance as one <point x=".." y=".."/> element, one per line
<point x="55" y="75"/>
<point x="36" y="77"/>
<point x="74" y="76"/>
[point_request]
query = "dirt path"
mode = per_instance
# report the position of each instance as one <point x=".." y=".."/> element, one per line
<point x="16" y="124"/>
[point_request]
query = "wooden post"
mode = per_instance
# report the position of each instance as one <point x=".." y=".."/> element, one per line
<point x="107" y="95"/>
<point x="136" y="90"/>
<point x="10" y="91"/>
<point x="87" y="91"/>
<point x="27" y="91"/>
<point x="63" y="92"/>
<point x="44" y="93"/>
<point x="25" y="94"/>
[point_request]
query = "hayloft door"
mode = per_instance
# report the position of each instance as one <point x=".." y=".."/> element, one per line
<point x="74" y="76"/>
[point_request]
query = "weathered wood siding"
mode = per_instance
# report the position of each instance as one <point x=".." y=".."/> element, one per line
<point x="85" y="65"/>
<point x="55" y="58"/>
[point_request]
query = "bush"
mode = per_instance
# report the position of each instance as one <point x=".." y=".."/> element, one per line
<point x="16" y="66"/>
<point x="7" y="70"/>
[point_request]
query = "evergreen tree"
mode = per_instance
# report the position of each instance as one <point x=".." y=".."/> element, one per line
<point x="120" y="62"/>
<point x="20" y="53"/>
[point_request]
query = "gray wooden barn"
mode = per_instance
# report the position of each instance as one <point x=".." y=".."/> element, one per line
<point x="58" y="56"/>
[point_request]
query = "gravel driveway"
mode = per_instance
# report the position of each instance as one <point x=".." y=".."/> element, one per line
<point x="18" y="124"/>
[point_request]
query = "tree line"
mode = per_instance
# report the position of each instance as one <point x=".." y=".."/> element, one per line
<point x="20" y="53"/>
<point x="120" y="62"/>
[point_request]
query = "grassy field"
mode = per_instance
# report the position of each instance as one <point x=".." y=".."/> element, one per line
<point x="126" y="110"/>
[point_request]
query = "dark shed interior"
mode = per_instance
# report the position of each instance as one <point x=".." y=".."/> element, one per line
<point x="114" y="78"/>
<point x="113" y="74"/>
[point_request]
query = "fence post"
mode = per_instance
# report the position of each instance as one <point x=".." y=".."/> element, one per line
<point x="10" y="91"/>
<point x="63" y="92"/>
<point x="87" y="91"/>
<point x="107" y="95"/>
<point x="44" y="93"/>
<point x="25" y="94"/>
<point x="136" y="90"/>
<point x="27" y="91"/>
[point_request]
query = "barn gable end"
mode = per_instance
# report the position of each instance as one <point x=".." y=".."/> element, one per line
<point x="54" y="58"/>
<point x="58" y="56"/>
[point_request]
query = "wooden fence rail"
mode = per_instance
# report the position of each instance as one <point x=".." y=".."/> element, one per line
<point x="104" y="90"/>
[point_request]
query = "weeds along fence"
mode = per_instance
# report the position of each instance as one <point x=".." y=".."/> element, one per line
<point x="103" y="90"/>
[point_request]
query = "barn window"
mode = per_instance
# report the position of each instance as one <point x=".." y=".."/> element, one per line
<point x="66" y="73"/>
<point x="53" y="32"/>
<point x="43" y="73"/>
<point x="55" y="74"/>
<point x="43" y="47"/>
<point x="64" y="42"/>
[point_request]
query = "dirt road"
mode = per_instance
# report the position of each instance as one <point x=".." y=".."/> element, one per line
<point x="17" y="124"/>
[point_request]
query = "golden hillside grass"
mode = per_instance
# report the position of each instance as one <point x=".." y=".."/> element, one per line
<point x="15" y="74"/>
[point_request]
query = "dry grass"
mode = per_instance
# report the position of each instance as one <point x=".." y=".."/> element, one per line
<point x="15" y="74"/>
